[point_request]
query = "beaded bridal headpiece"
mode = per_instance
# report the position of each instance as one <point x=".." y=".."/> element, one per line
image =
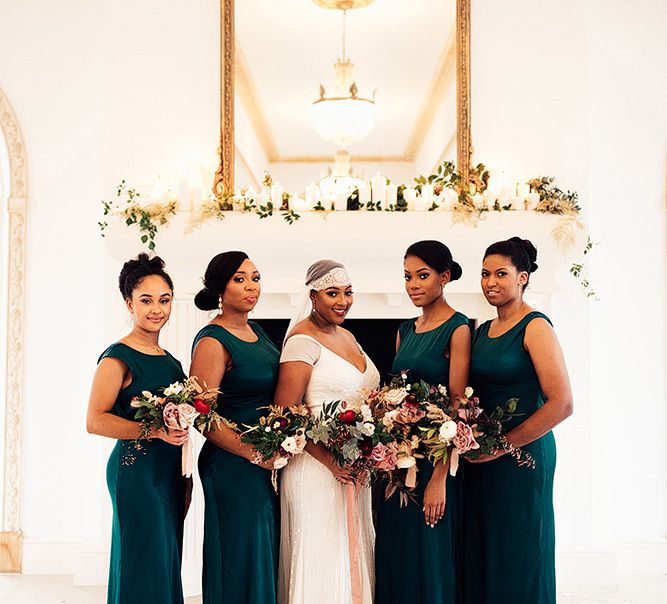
<point x="336" y="277"/>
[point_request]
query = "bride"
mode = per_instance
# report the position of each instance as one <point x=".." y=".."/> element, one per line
<point x="327" y="536"/>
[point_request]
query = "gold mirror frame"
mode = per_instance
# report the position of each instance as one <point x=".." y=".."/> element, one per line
<point x="224" y="176"/>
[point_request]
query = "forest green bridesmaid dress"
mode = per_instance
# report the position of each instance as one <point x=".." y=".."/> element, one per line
<point x="508" y="515"/>
<point x="413" y="562"/>
<point x="147" y="493"/>
<point x="241" y="520"/>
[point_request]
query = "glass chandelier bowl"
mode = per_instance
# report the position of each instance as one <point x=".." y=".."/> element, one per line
<point x="344" y="116"/>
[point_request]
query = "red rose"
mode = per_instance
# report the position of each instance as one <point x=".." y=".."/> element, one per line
<point x="410" y="399"/>
<point x="282" y="423"/>
<point x="366" y="447"/>
<point x="201" y="406"/>
<point x="347" y="417"/>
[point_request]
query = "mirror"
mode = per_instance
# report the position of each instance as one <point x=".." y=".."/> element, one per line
<point x="406" y="87"/>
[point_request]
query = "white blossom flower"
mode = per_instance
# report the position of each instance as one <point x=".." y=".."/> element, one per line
<point x="267" y="429"/>
<point x="289" y="444"/>
<point x="447" y="431"/>
<point x="405" y="462"/>
<point x="368" y="429"/>
<point x="173" y="389"/>
<point x="395" y="396"/>
<point x="468" y="392"/>
<point x="366" y="413"/>
<point x="442" y="390"/>
<point x="147" y="394"/>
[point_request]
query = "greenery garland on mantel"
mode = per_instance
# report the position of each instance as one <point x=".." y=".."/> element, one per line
<point x="466" y="209"/>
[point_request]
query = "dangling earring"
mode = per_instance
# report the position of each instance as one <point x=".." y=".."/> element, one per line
<point x="220" y="305"/>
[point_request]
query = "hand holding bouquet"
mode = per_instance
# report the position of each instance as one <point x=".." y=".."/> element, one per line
<point x="181" y="406"/>
<point x="357" y="440"/>
<point x="470" y="432"/>
<point x="281" y="432"/>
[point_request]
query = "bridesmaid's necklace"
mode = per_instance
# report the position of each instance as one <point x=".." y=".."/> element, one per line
<point x="147" y="344"/>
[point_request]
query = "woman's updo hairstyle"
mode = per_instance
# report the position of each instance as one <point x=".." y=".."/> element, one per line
<point x="135" y="270"/>
<point x="437" y="256"/>
<point x="218" y="273"/>
<point x="521" y="252"/>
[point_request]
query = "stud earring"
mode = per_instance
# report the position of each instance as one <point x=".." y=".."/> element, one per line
<point x="220" y="305"/>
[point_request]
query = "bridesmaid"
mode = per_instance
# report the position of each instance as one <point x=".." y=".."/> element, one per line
<point x="241" y="515"/>
<point x="416" y="546"/>
<point x="508" y="510"/>
<point x="147" y="489"/>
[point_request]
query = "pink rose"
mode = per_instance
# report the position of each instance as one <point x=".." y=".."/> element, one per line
<point x="384" y="456"/>
<point x="464" y="440"/>
<point x="409" y="414"/>
<point x="170" y="416"/>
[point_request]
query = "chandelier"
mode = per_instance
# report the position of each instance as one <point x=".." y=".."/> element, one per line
<point x="343" y="117"/>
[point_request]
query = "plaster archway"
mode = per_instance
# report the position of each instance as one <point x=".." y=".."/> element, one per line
<point x="10" y="535"/>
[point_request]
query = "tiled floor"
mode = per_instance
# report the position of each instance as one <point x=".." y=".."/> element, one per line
<point x="42" y="589"/>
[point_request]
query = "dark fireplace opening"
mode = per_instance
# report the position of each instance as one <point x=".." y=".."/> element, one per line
<point x="376" y="336"/>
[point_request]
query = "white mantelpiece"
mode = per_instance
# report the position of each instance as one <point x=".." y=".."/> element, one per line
<point x="370" y="244"/>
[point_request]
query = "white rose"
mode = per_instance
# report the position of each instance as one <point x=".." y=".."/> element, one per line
<point x="388" y="419"/>
<point x="468" y="392"/>
<point x="173" y="389"/>
<point x="447" y="431"/>
<point x="366" y="413"/>
<point x="395" y="396"/>
<point x="368" y="429"/>
<point x="281" y="462"/>
<point x="289" y="444"/>
<point x="301" y="441"/>
<point x="405" y="462"/>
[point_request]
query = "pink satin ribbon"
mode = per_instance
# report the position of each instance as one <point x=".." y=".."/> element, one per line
<point x="351" y="492"/>
<point x="187" y="458"/>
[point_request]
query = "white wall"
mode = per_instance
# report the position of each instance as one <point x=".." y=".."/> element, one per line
<point x="105" y="91"/>
<point x="577" y="90"/>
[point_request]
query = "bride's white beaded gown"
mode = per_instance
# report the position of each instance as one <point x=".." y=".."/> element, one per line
<point x="317" y="556"/>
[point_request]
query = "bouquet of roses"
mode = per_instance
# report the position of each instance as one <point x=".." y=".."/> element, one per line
<point x="469" y="431"/>
<point x="404" y="411"/>
<point x="281" y="431"/>
<point x="357" y="440"/>
<point x="181" y="406"/>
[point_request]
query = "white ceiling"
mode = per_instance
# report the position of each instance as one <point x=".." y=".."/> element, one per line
<point x="290" y="47"/>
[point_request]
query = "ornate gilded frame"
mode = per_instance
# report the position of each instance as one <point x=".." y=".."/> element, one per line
<point x="10" y="535"/>
<point x="224" y="176"/>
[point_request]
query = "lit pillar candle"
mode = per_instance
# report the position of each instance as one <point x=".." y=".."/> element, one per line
<point x="299" y="205"/>
<point x="263" y="198"/>
<point x="184" y="203"/>
<point x="427" y="194"/>
<point x="340" y="203"/>
<point x="421" y="205"/>
<point x="379" y="189"/>
<point x="523" y="190"/>
<point x="532" y="200"/>
<point x="450" y="197"/>
<point x="312" y="194"/>
<point x="276" y="195"/>
<point x="364" y="193"/>
<point x="410" y="196"/>
<point x="392" y="194"/>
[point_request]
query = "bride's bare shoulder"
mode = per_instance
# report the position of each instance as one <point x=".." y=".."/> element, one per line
<point x="303" y="328"/>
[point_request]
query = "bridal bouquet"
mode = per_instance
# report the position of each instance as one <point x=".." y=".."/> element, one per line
<point x="470" y="432"/>
<point x="357" y="440"/>
<point x="282" y="431"/>
<point x="404" y="409"/>
<point x="181" y="406"/>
